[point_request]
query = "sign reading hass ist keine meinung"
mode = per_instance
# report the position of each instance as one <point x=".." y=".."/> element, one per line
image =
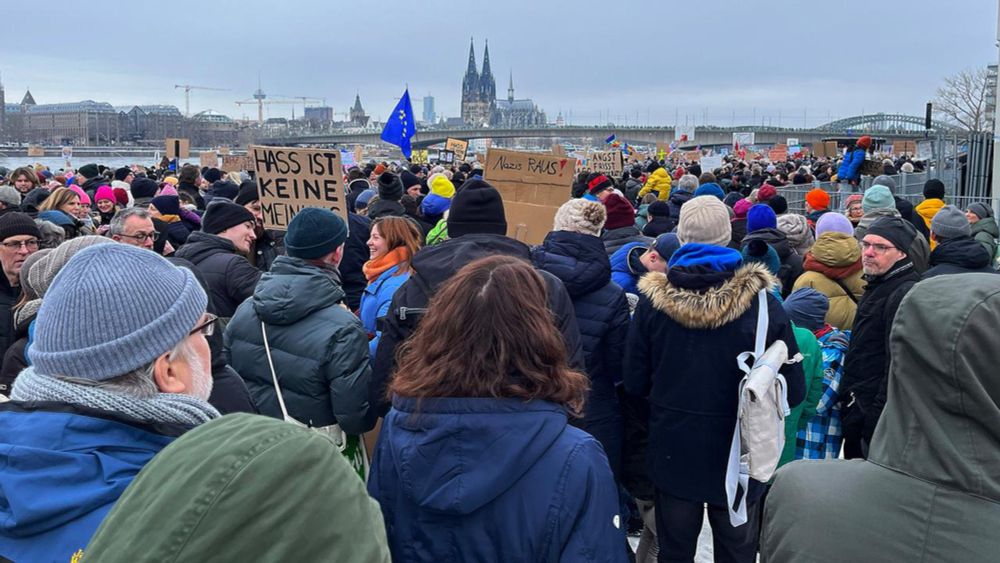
<point x="291" y="178"/>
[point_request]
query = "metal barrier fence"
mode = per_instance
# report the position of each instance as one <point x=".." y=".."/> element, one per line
<point x="908" y="186"/>
<point x="796" y="197"/>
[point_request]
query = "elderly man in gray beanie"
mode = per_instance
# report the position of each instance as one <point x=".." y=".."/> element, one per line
<point x="119" y="369"/>
<point x="956" y="251"/>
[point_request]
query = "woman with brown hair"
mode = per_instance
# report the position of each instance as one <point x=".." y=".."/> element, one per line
<point x="476" y="461"/>
<point x="61" y="208"/>
<point x="393" y="242"/>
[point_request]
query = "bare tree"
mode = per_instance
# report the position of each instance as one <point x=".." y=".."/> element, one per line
<point x="962" y="99"/>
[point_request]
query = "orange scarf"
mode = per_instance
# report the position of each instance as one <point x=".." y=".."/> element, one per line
<point x="375" y="268"/>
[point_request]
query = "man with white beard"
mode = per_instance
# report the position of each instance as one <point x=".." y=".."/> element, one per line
<point x="119" y="369"/>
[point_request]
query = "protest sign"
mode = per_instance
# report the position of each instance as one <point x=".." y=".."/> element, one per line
<point x="710" y="163"/>
<point x="178" y="148"/>
<point x="778" y="154"/>
<point x="904" y="147"/>
<point x="67" y="153"/>
<point x="446" y="157"/>
<point x="357" y="153"/>
<point x="236" y="163"/>
<point x="792" y="141"/>
<point x="419" y="157"/>
<point x="292" y="178"/>
<point x="223" y="151"/>
<point x="743" y="138"/>
<point x="684" y="133"/>
<point x="925" y="150"/>
<point x="606" y="162"/>
<point x="347" y="158"/>
<point x="794" y="150"/>
<point x="35" y="150"/>
<point x="532" y="186"/>
<point x="558" y="150"/>
<point x="692" y="156"/>
<point x="209" y="159"/>
<point x="457" y="146"/>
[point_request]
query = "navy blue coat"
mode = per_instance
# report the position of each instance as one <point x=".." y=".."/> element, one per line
<point x="602" y="314"/>
<point x="477" y="479"/>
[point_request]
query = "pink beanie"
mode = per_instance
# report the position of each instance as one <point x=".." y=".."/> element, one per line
<point x="168" y="190"/>
<point x="741" y="208"/>
<point x="104" y="192"/>
<point x="84" y="198"/>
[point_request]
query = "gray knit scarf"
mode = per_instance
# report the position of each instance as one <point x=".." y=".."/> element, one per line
<point x="26" y="311"/>
<point x="170" y="408"/>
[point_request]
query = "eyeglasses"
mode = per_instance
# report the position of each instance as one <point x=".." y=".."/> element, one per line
<point x="207" y="328"/>
<point x="141" y="237"/>
<point x="878" y="248"/>
<point x="31" y="244"/>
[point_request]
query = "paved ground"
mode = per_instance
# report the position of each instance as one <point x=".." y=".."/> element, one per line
<point x="704" y="544"/>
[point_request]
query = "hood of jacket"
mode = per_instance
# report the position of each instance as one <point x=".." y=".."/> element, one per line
<point x="835" y="250"/>
<point x="870" y="217"/>
<point x="712" y="308"/>
<point x="577" y="259"/>
<point x="987" y="225"/>
<point x="294" y="289"/>
<point x="777" y="239"/>
<point x="59" y="466"/>
<point x="941" y="421"/>
<point x="200" y="245"/>
<point x="679" y="197"/>
<point x="964" y="252"/>
<point x="204" y="494"/>
<point x="797" y="231"/>
<point x="457" y="455"/>
<point x="433" y="265"/>
<point x="928" y="208"/>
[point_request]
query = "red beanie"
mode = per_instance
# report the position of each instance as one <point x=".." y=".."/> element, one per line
<point x="865" y="142"/>
<point x="620" y="212"/>
<point x="766" y="192"/>
<point x="818" y="199"/>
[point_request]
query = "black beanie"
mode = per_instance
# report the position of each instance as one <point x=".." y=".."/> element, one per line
<point x="212" y="175"/>
<point x="222" y="214"/>
<point x="653" y="167"/>
<point x="408" y="179"/>
<point x="143" y="187"/>
<point x="934" y="189"/>
<point x="247" y="193"/>
<point x="14" y="224"/>
<point x="779" y="204"/>
<point x="658" y="208"/>
<point x="389" y="187"/>
<point x="89" y="171"/>
<point x="476" y="208"/>
<point x="894" y="230"/>
<point x="122" y="173"/>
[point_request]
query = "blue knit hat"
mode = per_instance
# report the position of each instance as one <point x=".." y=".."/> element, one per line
<point x="710" y="188"/>
<point x="314" y="233"/>
<point x="761" y="216"/>
<point x="101" y="318"/>
<point x="807" y="308"/>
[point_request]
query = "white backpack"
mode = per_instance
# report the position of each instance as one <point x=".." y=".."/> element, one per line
<point x="759" y="436"/>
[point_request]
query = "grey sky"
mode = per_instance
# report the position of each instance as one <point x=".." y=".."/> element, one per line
<point x="633" y="60"/>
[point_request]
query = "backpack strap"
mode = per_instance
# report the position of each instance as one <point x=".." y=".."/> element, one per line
<point x="274" y="374"/>
<point x="847" y="291"/>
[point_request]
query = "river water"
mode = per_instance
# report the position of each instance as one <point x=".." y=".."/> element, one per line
<point x="56" y="163"/>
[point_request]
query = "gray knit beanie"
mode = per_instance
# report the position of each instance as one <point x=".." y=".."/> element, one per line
<point x="112" y="309"/>
<point x="950" y="222"/>
<point x="580" y="216"/>
<point x="981" y="210"/>
<point x="704" y="219"/>
<point x="40" y="276"/>
<point x="27" y="288"/>
<point x="886" y="181"/>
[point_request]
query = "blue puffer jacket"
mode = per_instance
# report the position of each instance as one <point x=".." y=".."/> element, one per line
<point x="850" y="167"/>
<point x="621" y="273"/>
<point x="376" y="300"/>
<point x="463" y="479"/>
<point x="602" y="313"/>
<point x="62" y="469"/>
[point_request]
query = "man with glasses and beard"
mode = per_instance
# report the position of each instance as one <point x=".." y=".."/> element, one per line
<point x="18" y="239"/>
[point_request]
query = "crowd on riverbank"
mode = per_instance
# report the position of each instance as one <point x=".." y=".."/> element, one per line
<point x="470" y="397"/>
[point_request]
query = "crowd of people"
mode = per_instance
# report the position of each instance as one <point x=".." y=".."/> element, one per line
<point x="412" y="384"/>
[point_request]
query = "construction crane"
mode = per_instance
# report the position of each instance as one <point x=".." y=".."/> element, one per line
<point x="187" y="95"/>
<point x="303" y="100"/>
<point x="260" y="103"/>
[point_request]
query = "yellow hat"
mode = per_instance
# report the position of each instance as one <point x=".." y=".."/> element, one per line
<point x="442" y="186"/>
<point x="170" y="180"/>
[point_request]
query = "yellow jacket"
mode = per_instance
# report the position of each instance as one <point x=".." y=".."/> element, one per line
<point x="659" y="180"/>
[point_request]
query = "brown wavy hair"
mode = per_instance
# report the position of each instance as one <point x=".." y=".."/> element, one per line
<point x="489" y="333"/>
<point x="58" y="198"/>
<point x="400" y="231"/>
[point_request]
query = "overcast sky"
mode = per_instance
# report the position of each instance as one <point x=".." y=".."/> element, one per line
<point x="645" y="62"/>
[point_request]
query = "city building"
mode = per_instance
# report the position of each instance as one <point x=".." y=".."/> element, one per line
<point x="319" y="114"/>
<point x="480" y="106"/>
<point x="429" y="109"/>
<point x="358" y="117"/>
<point x="79" y="123"/>
<point x="211" y="129"/>
<point x="150" y="122"/>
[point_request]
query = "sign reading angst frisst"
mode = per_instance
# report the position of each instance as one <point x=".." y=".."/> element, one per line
<point x="289" y="179"/>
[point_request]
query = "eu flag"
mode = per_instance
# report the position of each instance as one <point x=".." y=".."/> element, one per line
<point x="401" y="126"/>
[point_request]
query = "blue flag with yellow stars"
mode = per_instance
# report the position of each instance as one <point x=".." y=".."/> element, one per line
<point x="401" y="126"/>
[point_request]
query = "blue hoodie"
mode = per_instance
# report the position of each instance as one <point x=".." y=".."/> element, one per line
<point x="62" y="470"/>
<point x="481" y="479"/>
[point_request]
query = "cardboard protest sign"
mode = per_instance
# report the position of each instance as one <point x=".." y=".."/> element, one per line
<point x="606" y="162"/>
<point x="209" y="159"/>
<point x="236" y="163"/>
<point x="178" y="148"/>
<point x="357" y="153"/>
<point x="419" y="157"/>
<point x="743" y="138"/>
<point x="692" y="156"/>
<point x="710" y="163"/>
<point x="532" y="186"/>
<point x="223" y="151"/>
<point x="291" y="178"/>
<point x="457" y="146"/>
<point x="778" y="155"/>
<point x="558" y="150"/>
<point x="34" y="150"/>
<point x="904" y="147"/>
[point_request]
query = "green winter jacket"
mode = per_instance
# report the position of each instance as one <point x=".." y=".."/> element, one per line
<point x="244" y="488"/>
<point x="985" y="232"/>
<point x="930" y="489"/>
<point x="812" y="369"/>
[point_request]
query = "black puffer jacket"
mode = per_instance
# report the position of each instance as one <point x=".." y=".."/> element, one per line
<point x="8" y="298"/>
<point x="617" y="238"/>
<point x="963" y="255"/>
<point x="230" y="277"/>
<point x="866" y="365"/>
<point x="356" y="253"/>
<point x="678" y="198"/>
<point x="791" y="262"/>
<point x="602" y="314"/>
<point x="268" y="246"/>
<point x="14" y="359"/>
<point x="193" y="191"/>
<point x="434" y="265"/>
